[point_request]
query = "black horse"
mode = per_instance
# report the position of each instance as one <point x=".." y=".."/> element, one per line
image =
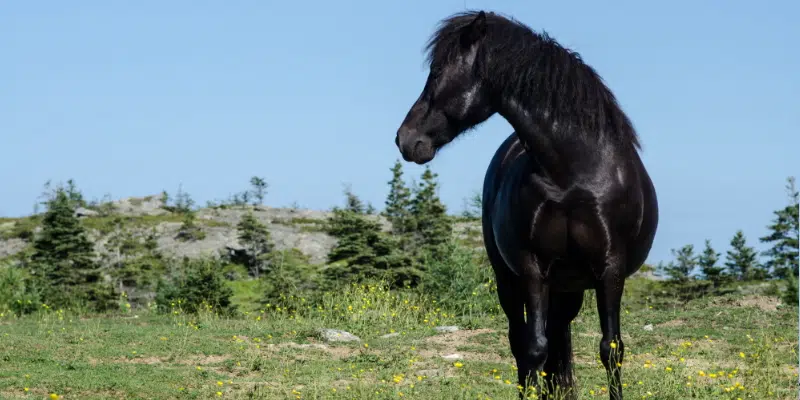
<point x="567" y="203"/>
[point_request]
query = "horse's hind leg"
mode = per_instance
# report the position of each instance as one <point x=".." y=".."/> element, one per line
<point x="537" y="297"/>
<point x="612" y="350"/>
<point x="564" y="307"/>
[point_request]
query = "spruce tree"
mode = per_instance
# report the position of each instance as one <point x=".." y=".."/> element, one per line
<point x="398" y="202"/>
<point x="473" y="206"/>
<point x="64" y="259"/>
<point x="432" y="227"/>
<point x="255" y="238"/>
<point x="259" y="189"/>
<point x="741" y="259"/>
<point x="782" y="256"/>
<point x="362" y="249"/>
<point x="707" y="261"/>
<point x="683" y="265"/>
<point x="353" y="202"/>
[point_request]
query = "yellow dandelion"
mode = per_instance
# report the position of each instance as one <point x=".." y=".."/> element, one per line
<point x="53" y="396"/>
<point x="458" y="364"/>
<point x="219" y="383"/>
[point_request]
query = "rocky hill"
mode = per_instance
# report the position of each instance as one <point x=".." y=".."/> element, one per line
<point x="290" y="228"/>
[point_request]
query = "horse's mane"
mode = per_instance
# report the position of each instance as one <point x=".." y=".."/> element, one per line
<point x="540" y="73"/>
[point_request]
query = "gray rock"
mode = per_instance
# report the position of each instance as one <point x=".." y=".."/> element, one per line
<point x="11" y="246"/>
<point x="85" y="212"/>
<point x="450" y="328"/>
<point x="148" y="205"/>
<point x="335" y="335"/>
<point x="648" y="327"/>
<point x="390" y="335"/>
<point x="453" y="356"/>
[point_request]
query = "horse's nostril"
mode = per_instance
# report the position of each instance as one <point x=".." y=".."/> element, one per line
<point x="397" y="141"/>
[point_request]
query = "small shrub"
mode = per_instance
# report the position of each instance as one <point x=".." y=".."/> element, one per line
<point x="198" y="284"/>
<point x="289" y="272"/>
<point x="18" y="292"/>
<point x="462" y="281"/>
<point x="790" y="296"/>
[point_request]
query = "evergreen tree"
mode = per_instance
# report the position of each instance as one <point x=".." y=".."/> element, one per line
<point x="432" y="227"/>
<point x="183" y="201"/>
<point x="64" y="259"/>
<point x="473" y="206"/>
<point x="782" y="256"/>
<point x="398" y="202"/>
<point x="741" y="259"/>
<point x="362" y="249"/>
<point x="259" y="189"/>
<point x="353" y="202"/>
<point x="683" y="265"/>
<point x="134" y="259"/>
<point x="707" y="261"/>
<point x="255" y="238"/>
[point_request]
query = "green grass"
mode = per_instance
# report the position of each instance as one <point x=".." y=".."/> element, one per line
<point x="703" y="349"/>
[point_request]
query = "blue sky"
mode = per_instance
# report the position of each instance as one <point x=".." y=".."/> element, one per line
<point x="129" y="98"/>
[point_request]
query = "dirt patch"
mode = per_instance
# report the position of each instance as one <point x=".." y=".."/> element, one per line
<point x="765" y="303"/>
<point x="448" y="343"/>
<point x="670" y="324"/>
<point x="136" y="360"/>
<point x="336" y="351"/>
<point x="451" y="340"/>
<point x="200" y="360"/>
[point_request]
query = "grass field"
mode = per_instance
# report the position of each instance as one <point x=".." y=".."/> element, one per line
<point x="732" y="347"/>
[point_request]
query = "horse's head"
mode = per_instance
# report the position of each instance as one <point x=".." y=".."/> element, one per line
<point x="455" y="97"/>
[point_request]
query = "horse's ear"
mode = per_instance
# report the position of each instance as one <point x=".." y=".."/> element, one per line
<point x="475" y="30"/>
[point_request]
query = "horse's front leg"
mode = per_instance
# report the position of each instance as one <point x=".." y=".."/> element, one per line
<point x="609" y="297"/>
<point x="537" y="295"/>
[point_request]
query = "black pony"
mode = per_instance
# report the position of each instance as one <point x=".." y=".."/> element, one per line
<point x="567" y="203"/>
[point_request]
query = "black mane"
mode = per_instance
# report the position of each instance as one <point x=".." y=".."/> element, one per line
<point x="537" y="71"/>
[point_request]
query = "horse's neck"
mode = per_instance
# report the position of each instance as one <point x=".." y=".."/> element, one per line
<point x="540" y="135"/>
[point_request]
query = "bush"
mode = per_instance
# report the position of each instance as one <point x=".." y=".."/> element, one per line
<point x="462" y="280"/>
<point x="18" y="293"/>
<point x="790" y="296"/>
<point x="197" y="284"/>
<point x="290" y="273"/>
